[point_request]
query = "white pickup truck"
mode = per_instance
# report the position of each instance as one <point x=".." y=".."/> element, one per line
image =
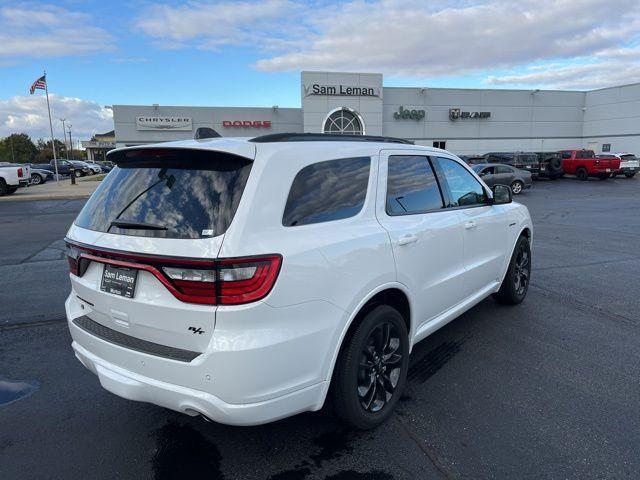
<point x="13" y="177"/>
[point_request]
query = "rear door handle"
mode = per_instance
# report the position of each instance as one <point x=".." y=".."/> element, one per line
<point x="471" y="224"/>
<point x="407" y="239"/>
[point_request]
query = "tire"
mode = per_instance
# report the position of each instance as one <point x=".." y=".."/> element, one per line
<point x="581" y="174"/>
<point x="516" y="282"/>
<point x="36" y="179"/>
<point x="630" y="175"/>
<point x="12" y="190"/>
<point x="516" y="187"/>
<point x="363" y="392"/>
<point x="4" y="188"/>
<point x="77" y="173"/>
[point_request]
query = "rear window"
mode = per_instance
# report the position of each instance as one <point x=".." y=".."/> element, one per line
<point x="327" y="191"/>
<point x="529" y="158"/>
<point x="167" y="193"/>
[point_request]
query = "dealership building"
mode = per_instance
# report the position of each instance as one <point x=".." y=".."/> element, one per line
<point x="462" y="120"/>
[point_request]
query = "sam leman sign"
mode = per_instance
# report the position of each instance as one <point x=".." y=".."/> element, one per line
<point x="182" y="124"/>
<point x="341" y="90"/>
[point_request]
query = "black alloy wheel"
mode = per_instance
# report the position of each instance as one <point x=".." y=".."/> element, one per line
<point x="516" y="281"/>
<point x="522" y="270"/>
<point x="379" y="371"/>
<point x="371" y="370"/>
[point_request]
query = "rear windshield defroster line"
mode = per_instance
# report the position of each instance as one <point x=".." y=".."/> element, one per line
<point x="181" y="193"/>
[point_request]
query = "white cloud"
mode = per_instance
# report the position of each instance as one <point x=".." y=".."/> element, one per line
<point x="409" y="38"/>
<point x="210" y="26"/>
<point x="615" y="66"/>
<point x="28" y="114"/>
<point x="45" y="31"/>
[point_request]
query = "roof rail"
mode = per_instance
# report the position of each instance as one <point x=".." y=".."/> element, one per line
<point x="325" y="137"/>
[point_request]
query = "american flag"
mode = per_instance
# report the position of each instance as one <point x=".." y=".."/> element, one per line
<point x="40" y="83"/>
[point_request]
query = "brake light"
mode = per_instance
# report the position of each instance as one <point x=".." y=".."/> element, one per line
<point x="231" y="281"/>
<point x="20" y="172"/>
<point x="245" y="280"/>
<point x="72" y="259"/>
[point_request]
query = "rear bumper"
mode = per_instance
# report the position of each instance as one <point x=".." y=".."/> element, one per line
<point x="23" y="183"/>
<point x="628" y="170"/>
<point x="137" y="387"/>
<point x="262" y="363"/>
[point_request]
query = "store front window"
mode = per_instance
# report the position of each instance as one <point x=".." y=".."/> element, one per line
<point x="343" y="122"/>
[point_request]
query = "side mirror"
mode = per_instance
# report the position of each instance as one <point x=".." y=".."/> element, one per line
<point x="501" y="194"/>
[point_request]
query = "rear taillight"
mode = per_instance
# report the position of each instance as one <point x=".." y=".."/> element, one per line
<point x="232" y="281"/>
<point x="20" y="172"/>
<point x="73" y="255"/>
<point x="244" y="280"/>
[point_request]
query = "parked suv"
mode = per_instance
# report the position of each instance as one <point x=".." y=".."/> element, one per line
<point x="550" y="165"/>
<point x="629" y="164"/>
<point x="523" y="160"/>
<point x="246" y="280"/>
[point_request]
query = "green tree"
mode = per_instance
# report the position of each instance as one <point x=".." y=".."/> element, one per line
<point x="18" y="147"/>
<point x="45" y="152"/>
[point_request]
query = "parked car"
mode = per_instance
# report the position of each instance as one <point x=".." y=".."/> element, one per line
<point x="629" y="164"/>
<point x="12" y="177"/>
<point x="64" y="167"/>
<point x="522" y="160"/>
<point x="93" y="167"/>
<point x="106" y="165"/>
<point x="584" y="164"/>
<point x="472" y="159"/>
<point x="550" y="165"/>
<point x="39" y="176"/>
<point x="247" y="279"/>
<point x="498" y="174"/>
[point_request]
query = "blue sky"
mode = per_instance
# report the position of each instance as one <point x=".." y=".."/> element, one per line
<point x="250" y="53"/>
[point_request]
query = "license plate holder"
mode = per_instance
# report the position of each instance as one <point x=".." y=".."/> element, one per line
<point x="119" y="281"/>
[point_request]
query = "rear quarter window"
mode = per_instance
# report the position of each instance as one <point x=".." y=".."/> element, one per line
<point x="327" y="191"/>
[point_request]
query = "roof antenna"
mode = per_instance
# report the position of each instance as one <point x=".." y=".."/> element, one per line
<point x="206" y="132"/>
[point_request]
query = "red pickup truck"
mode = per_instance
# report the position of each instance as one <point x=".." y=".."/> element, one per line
<point x="584" y="164"/>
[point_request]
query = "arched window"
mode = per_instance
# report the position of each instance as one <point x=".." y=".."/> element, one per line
<point x="343" y="122"/>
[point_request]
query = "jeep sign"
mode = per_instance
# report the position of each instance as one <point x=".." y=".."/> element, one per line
<point x="404" y="114"/>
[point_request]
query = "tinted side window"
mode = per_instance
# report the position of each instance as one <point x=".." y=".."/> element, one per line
<point x="503" y="169"/>
<point x="411" y="186"/>
<point x="327" y="191"/>
<point x="566" y="154"/>
<point x="464" y="189"/>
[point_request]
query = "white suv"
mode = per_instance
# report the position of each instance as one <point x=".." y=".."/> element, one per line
<point x="246" y="280"/>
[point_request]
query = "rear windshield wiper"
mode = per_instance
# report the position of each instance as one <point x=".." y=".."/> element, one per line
<point x="136" y="225"/>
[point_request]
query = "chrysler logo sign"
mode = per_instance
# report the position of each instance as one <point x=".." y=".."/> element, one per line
<point x="247" y="123"/>
<point x="144" y="122"/>
<point x="340" y="90"/>
<point x="456" y="113"/>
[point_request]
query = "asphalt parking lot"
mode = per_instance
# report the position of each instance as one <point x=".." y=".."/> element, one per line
<point x="548" y="389"/>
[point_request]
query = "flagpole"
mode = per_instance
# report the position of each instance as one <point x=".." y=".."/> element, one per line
<point x="53" y="143"/>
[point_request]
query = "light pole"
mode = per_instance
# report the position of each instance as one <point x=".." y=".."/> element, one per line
<point x="13" y="155"/>
<point x="64" y="133"/>
<point x="70" y="141"/>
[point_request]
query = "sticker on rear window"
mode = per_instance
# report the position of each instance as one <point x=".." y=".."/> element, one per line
<point x="207" y="232"/>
